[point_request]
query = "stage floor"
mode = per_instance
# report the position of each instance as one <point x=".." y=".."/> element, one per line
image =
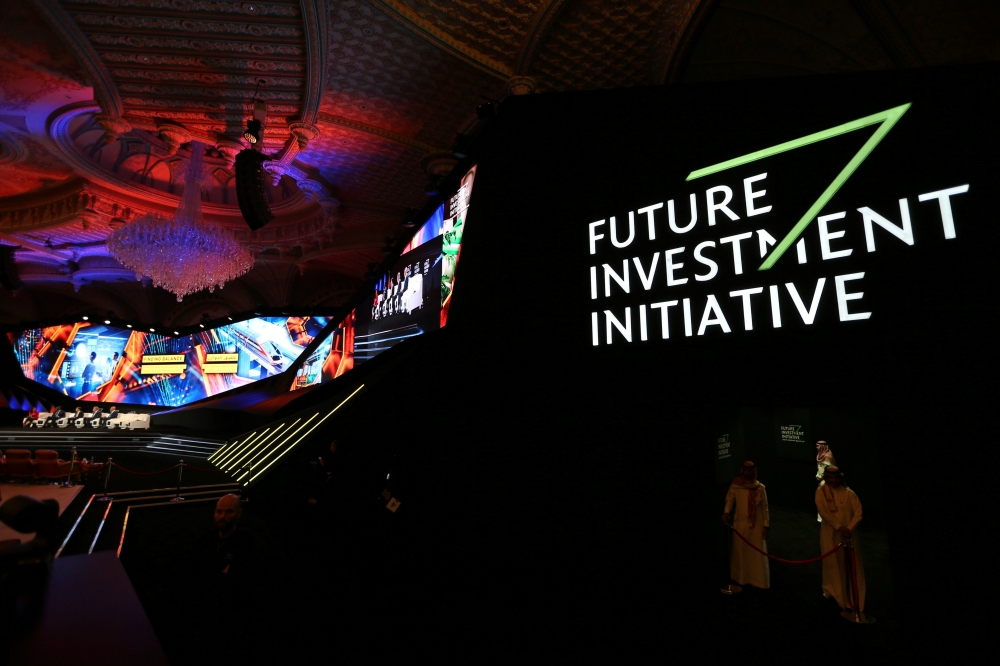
<point x="62" y="494"/>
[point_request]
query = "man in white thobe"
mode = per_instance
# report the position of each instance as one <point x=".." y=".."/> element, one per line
<point x="840" y="509"/>
<point x="747" y="502"/>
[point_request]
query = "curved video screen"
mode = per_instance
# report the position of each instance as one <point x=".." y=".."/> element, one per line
<point x="100" y="363"/>
<point x="412" y="298"/>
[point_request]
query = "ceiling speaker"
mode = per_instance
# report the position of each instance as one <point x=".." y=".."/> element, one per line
<point x="8" y="269"/>
<point x="250" y="188"/>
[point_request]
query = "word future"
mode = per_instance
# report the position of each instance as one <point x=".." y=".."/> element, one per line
<point x="697" y="318"/>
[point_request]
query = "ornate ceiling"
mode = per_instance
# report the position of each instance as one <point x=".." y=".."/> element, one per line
<point x="102" y="100"/>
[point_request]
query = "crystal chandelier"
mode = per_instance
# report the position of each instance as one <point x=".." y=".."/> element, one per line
<point x="185" y="254"/>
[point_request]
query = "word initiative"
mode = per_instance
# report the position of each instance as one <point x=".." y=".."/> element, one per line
<point x="754" y="305"/>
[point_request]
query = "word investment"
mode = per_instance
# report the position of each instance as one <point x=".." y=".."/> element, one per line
<point x="671" y="263"/>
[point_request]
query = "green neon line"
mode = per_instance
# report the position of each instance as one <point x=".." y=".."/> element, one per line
<point x="888" y="118"/>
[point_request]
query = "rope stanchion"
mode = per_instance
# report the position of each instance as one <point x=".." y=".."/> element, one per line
<point x="132" y="471"/>
<point x="180" y="474"/>
<point x="107" y="477"/>
<point x="853" y="613"/>
<point x="782" y="560"/>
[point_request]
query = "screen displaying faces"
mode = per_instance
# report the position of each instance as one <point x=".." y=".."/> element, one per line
<point x="410" y="299"/>
<point x="101" y="363"/>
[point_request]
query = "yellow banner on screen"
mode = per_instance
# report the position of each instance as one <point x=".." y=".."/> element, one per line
<point x="216" y="358"/>
<point x="162" y="368"/>
<point x="219" y="368"/>
<point x="162" y="358"/>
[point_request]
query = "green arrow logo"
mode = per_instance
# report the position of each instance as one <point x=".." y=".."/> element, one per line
<point x="887" y="118"/>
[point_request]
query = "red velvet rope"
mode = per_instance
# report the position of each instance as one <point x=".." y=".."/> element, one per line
<point x="129" y="471"/>
<point x="779" y="559"/>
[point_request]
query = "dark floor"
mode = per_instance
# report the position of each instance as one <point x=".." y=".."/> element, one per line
<point x="793" y="614"/>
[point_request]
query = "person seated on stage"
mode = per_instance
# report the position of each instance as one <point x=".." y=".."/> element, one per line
<point x="112" y="414"/>
<point x="94" y="414"/>
<point x="77" y="414"/>
<point x="30" y="418"/>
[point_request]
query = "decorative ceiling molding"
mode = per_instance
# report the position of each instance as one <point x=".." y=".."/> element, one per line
<point x="59" y="130"/>
<point x="399" y="11"/>
<point x="377" y="131"/>
<point x="539" y="28"/>
<point x="677" y="42"/>
<point x="316" y="20"/>
<point x="105" y="91"/>
<point x="886" y="29"/>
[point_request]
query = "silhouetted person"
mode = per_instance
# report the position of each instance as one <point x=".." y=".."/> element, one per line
<point x="234" y="551"/>
<point x="88" y="374"/>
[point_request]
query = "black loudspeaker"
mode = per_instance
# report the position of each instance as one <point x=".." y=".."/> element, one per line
<point x="8" y="269"/>
<point x="250" y="188"/>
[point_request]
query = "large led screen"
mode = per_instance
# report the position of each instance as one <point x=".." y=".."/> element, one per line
<point x="101" y="363"/>
<point x="412" y="298"/>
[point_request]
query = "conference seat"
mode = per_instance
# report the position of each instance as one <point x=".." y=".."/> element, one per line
<point x="64" y="421"/>
<point x="20" y="465"/>
<point x="139" y="422"/>
<point x="42" y="420"/>
<point x="50" y="466"/>
<point x="82" y="421"/>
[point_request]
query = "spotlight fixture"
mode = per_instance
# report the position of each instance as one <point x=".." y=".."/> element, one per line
<point x="408" y="221"/>
<point x="229" y="318"/>
<point x="128" y="325"/>
<point x="202" y="325"/>
<point x="107" y="321"/>
<point x="85" y="318"/>
<point x="152" y="330"/>
<point x="176" y="333"/>
<point x="254" y="133"/>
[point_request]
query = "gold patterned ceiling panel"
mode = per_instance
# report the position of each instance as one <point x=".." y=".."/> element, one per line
<point x="369" y="169"/>
<point x="600" y="44"/>
<point x="384" y="75"/>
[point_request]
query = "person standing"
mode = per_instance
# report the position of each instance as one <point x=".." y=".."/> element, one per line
<point x="840" y="509"/>
<point x="824" y="458"/>
<point x="746" y="501"/>
<point x="88" y="374"/>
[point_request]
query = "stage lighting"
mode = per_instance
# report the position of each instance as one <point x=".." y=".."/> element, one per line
<point x="487" y="110"/>
<point x="85" y="318"/>
<point x="202" y="325"/>
<point x="176" y="333"/>
<point x="408" y="215"/>
<point x="229" y="318"/>
<point x="152" y="330"/>
<point x="107" y="321"/>
<point x="128" y="325"/>
<point x="253" y="132"/>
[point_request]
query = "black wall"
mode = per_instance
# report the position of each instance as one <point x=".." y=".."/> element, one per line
<point x="597" y="486"/>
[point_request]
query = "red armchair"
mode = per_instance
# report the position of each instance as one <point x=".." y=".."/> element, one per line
<point x="20" y="465"/>
<point x="3" y="465"/>
<point x="50" y="467"/>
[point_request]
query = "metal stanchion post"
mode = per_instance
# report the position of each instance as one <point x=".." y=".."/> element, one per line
<point x="72" y="462"/>
<point x="107" y="477"/>
<point x="853" y="614"/>
<point x="730" y="587"/>
<point x="180" y="473"/>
